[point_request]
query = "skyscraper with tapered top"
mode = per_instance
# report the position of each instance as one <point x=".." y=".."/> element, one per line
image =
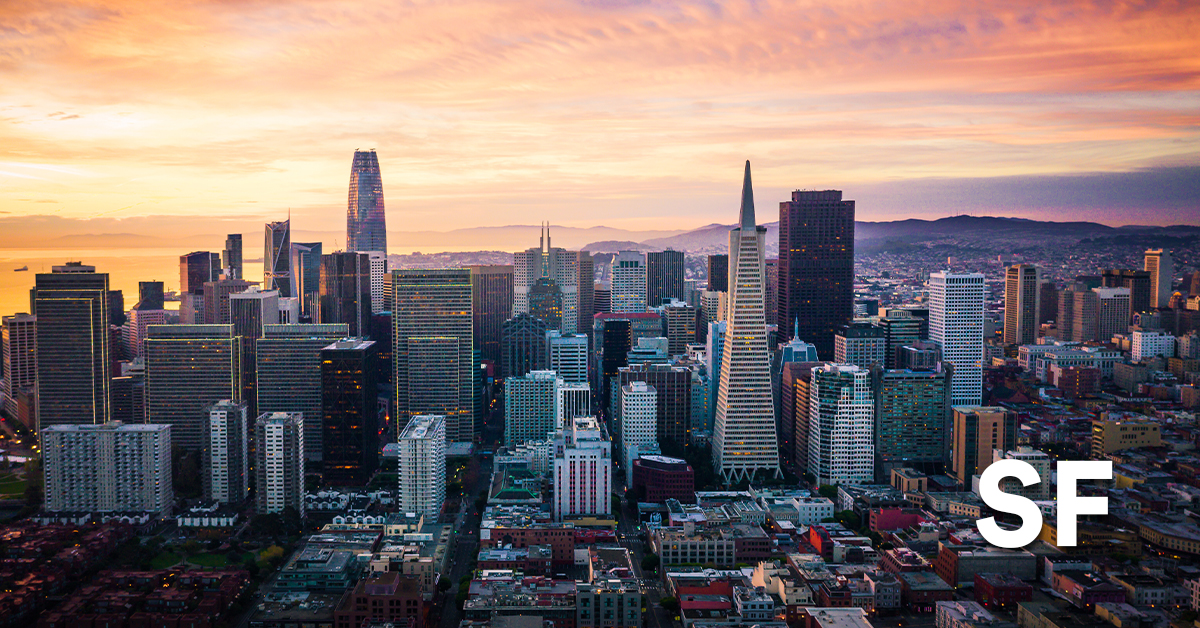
<point x="277" y="258"/>
<point x="366" y="228"/>
<point x="744" y="440"/>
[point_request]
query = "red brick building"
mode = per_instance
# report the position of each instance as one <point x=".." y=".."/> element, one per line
<point x="388" y="596"/>
<point x="1001" y="590"/>
<point x="1076" y="381"/>
<point x="659" y="478"/>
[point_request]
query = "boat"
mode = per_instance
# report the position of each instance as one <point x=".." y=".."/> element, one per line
<point x="21" y="269"/>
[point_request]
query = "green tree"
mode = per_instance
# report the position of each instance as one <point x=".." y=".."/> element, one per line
<point x="444" y="585"/>
<point x="669" y="603"/>
<point x="650" y="562"/>
<point x="273" y="556"/>
<point x="828" y="491"/>
<point x="251" y="566"/>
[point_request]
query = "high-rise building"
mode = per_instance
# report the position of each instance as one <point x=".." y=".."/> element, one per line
<point x="586" y="266"/>
<point x="744" y="439"/>
<point x="349" y="412"/>
<point x="289" y="375"/>
<point x="195" y="270"/>
<point x="1041" y="463"/>
<point x="377" y="270"/>
<point x="860" y="344"/>
<point x="530" y="404"/>
<point x="1098" y="314"/>
<point x="1162" y="273"/>
<point x="629" y="282"/>
<point x="912" y="420"/>
<point x="107" y="467"/>
<point x="226" y="461"/>
<point x="232" y="259"/>
<point x="715" y="345"/>
<point x="841" y="445"/>
<point x="216" y="300"/>
<point x="366" y="224"/>
<point x="491" y="305"/>
<point x="601" y="298"/>
<point x="1149" y="344"/>
<point x="816" y="265"/>
<point x="956" y="323"/>
<point x="680" y="321"/>
<point x="151" y="295"/>
<point x="346" y="290"/>
<point x="277" y="259"/>
<point x="639" y="421"/>
<point x="615" y="335"/>
<point x="673" y="398"/>
<point x="546" y="302"/>
<point x="422" y="466"/>
<point x="1137" y="281"/>
<point x="664" y="277"/>
<point x="250" y="312"/>
<point x="568" y="356"/>
<point x="73" y="370"/>
<point x="306" y="260"/>
<point x="900" y="328"/>
<point x="522" y="345"/>
<point x="582" y="470"/>
<point x="572" y="400"/>
<point x="1022" y="304"/>
<point x="1048" y="310"/>
<point x="18" y="335"/>
<point x="794" y="380"/>
<point x="279" y="462"/>
<point x="128" y="391"/>
<point x="771" y="268"/>
<point x="977" y="431"/>
<point x="718" y="273"/>
<point x="433" y="354"/>
<point x="546" y="262"/>
<point x="189" y="368"/>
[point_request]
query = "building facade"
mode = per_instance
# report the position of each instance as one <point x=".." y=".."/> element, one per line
<point x="491" y="305"/>
<point x="345" y="291"/>
<point x="189" y="368"/>
<point x="289" y="375"/>
<point x="422" y="466"/>
<point x="226" y="463"/>
<point x="111" y="467"/>
<point x="841" y="447"/>
<point x="350" y="422"/>
<point x="73" y="362"/>
<point x="664" y="277"/>
<point x="277" y="258"/>
<point x="816" y="265"/>
<point x="279" y="462"/>
<point x="18" y="342"/>
<point x="956" y="324"/>
<point x="628" y="282"/>
<point x="582" y="470"/>
<point x="1022" y="304"/>
<point x="977" y="431"/>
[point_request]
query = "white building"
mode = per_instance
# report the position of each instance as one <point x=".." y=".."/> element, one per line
<point x="422" y="465"/>
<point x="639" y="421"/>
<point x="1027" y="355"/>
<point x="18" y="336"/>
<point x="378" y="270"/>
<point x="110" y="467"/>
<point x="1039" y="461"/>
<point x="629" y="282"/>
<point x="714" y="305"/>
<point x="226" y="466"/>
<point x="1149" y="344"/>
<point x="530" y="406"/>
<point x="582" y="470"/>
<point x="841" y="444"/>
<point x="568" y="356"/>
<point x="956" y="323"/>
<point x="1162" y="270"/>
<point x="1094" y="357"/>
<point x="812" y="510"/>
<point x="133" y="335"/>
<point x="571" y="400"/>
<point x="962" y="614"/>
<point x="279" y="457"/>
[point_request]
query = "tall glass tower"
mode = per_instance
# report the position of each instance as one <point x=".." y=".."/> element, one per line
<point x="366" y="229"/>
<point x="277" y="258"/>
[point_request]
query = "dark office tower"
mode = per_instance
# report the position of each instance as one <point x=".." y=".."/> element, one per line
<point x="129" y="398"/>
<point x="116" y="307"/>
<point x="349" y="412"/>
<point x="188" y="368"/>
<point x="346" y="290"/>
<point x="195" y="270"/>
<point x="674" y="386"/>
<point x="771" y="268"/>
<point x="216" y="299"/>
<point x="546" y="302"/>
<point x="491" y="305"/>
<point x="380" y="328"/>
<point x="912" y="420"/>
<point x="614" y="338"/>
<point x="601" y="298"/>
<point x="900" y="328"/>
<point x="1022" y="304"/>
<point x="1048" y="310"/>
<point x="793" y="414"/>
<point x="1138" y="282"/>
<point x="816" y="265"/>
<point x="73" y="370"/>
<point x="523" y="345"/>
<point x="366" y="229"/>
<point x="306" y="261"/>
<point x="277" y="259"/>
<point x="434" y="350"/>
<point x="232" y="259"/>
<point x="718" y="273"/>
<point x="250" y="312"/>
<point x="150" y="295"/>
<point x="587" y="291"/>
<point x="664" y="277"/>
<point x="289" y="375"/>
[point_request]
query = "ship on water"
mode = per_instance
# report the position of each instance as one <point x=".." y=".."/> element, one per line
<point x="21" y="269"/>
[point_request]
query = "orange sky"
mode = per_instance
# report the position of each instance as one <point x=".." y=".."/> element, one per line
<point x="625" y="113"/>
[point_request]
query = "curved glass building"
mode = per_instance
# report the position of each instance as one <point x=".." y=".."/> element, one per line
<point x="365" y="226"/>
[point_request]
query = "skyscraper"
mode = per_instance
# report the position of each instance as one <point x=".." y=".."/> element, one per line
<point x="771" y="268"/>
<point x="1162" y="272"/>
<point x="140" y="318"/>
<point x="978" y="431"/>
<point x="664" y="277"/>
<point x="289" y="375"/>
<point x="956" y="323"/>
<point x="422" y="465"/>
<point x="433" y="344"/>
<point x="586" y="266"/>
<point x="250" y="312"/>
<point x="816" y="265"/>
<point x="547" y="262"/>
<point x="279" y="462"/>
<point x="195" y="270"/>
<point x="277" y="259"/>
<point x="1022" y="304"/>
<point x="546" y="302"/>
<point x="306" y="261"/>
<point x="582" y="470"/>
<point x="639" y="421"/>
<point x="346" y="290"/>
<point x="189" y="368"/>
<point x="794" y="382"/>
<point x="1099" y="313"/>
<point x="568" y="356"/>
<point x="366" y="226"/>
<point x="491" y="305"/>
<point x="680" y="321"/>
<point x="718" y="273"/>
<point x="232" y="260"/>
<point x="673" y="386"/>
<point x="629" y="282"/>
<point x="522" y="345"/>
<point x="1137" y="281"/>
<point x="108" y="467"/>
<point x="744" y="439"/>
<point x="912" y="420"/>
<point x="349" y="412"/>
<point x="216" y="300"/>
<point x="73" y="376"/>
<point x="860" y="344"/>
<point x="841" y="447"/>
<point x="18" y="334"/>
<point x="226" y="464"/>
<point x="530" y="403"/>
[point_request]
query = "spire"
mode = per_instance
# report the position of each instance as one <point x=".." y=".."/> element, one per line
<point x="746" y="221"/>
<point x="796" y="329"/>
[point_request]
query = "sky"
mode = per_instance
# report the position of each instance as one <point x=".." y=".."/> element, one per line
<point x="155" y="118"/>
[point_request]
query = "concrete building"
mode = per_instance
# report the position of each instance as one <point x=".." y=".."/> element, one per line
<point x="1039" y="461"/>
<point x="977" y="431"/>
<point x="913" y="424"/>
<point x="629" y="282"/>
<point x="582" y="470"/>
<point x="639" y="421"/>
<point x="680" y="321"/>
<point x="1162" y="271"/>
<point x="279" y="462"/>
<point x="956" y="323"/>
<point x="861" y="344"/>
<point x="226" y="462"/>
<point x="900" y="329"/>
<point x="673" y="387"/>
<point x="571" y="401"/>
<point x="111" y="467"/>
<point x="422" y="466"/>
<point x="289" y="375"/>
<point x="18" y="335"/>
<point x="841" y="448"/>
<point x="1109" y="436"/>
<point x="530" y="404"/>
<point x="1022" y="304"/>
<point x="659" y="478"/>
<point x="568" y="356"/>
<point x="1150" y="344"/>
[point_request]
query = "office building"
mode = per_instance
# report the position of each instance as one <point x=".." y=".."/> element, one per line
<point x="841" y="444"/>
<point x="306" y="260"/>
<point x="107" y="467"/>
<point x="73" y="364"/>
<point x="664" y="277"/>
<point x="922" y="355"/>
<point x="128" y="392"/>
<point x="1022" y="304"/>
<point x="673" y="397"/>
<point x="523" y="345"/>
<point x="1034" y="458"/>
<point x="638" y="421"/>
<point x="1111" y="435"/>
<point x="377" y="270"/>
<point x="794" y="383"/>
<point x="771" y="268"/>
<point x="912" y="420"/>
<point x="659" y="478"/>
<point x="195" y="270"/>
<point x="1161" y="268"/>
<point x="491" y="305"/>
<point x="151" y="295"/>
<point x="279" y="462"/>
<point x="585" y="266"/>
<point x="250" y="312"/>
<point x="744" y="439"/>
<point x="1137" y="281"/>
<point x="1098" y="313"/>
<point x="977" y="431"/>
<point x="1149" y="344"/>
<point x="289" y="375"/>
<point x="680" y="319"/>
<point x="601" y="298"/>
<point x="546" y="302"/>
<point x="366" y="224"/>
<point x="629" y="282"/>
<point x="956" y="324"/>
<point x="350" y="422"/>
<point x="900" y="329"/>
<point x="226" y="461"/>
<point x="546" y="262"/>
<point x="277" y="258"/>
<point x="861" y="344"/>
<point x="18" y="335"/>
<point x="433" y="355"/>
<point x="346" y="291"/>
<point x="216" y="299"/>
<point x="1048" y="310"/>
<point x="816" y="265"/>
<point x="718" y="273"/>
<point x="571" y="400"/>
<point x="582" y="470"/>
<point x="615" y="335"/>
<point x="713" y="348"/>
<point x="568" y="356"/>
<point x="189" y="368"/>
<point x="530" y="403"/>
<point x="232" y="258"/>
<point x="421" y="466"/>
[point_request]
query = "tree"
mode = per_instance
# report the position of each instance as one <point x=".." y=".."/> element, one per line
<point x="191" y="547"/>
<point x="273" y="556"/>
<point x="444" y="585"/>
<point x="268" y="525"/>
<point x="292" y="522"/>
<point x="828" y="491"/>
<point x="251" y="566"/>
<point x="669" y="603"/>
<point x="650" y="562"/>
